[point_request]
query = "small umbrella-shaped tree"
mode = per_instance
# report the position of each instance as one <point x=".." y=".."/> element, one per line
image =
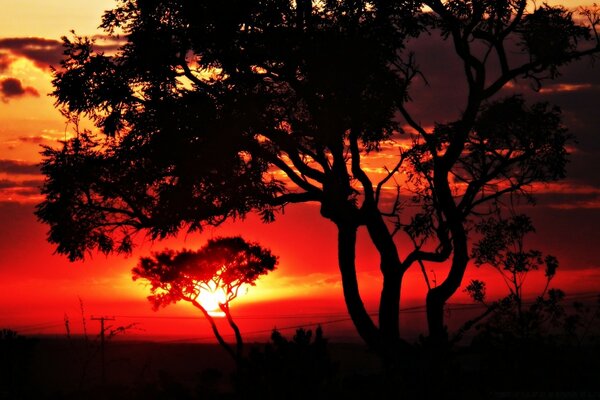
<point x="223" y="265"/>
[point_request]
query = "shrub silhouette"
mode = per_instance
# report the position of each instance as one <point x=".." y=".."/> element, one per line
<point x="289" y="369"/>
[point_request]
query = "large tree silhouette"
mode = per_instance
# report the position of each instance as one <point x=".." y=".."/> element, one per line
<point x="206" y="101"/>
<point x="226" y="264"/>
<point x="497" y="147"/>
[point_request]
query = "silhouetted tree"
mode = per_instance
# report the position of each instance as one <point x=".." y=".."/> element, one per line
<point x="227" y="264"/>
<point x="523" y="315"/>
<point x="205" y="100"/>
<point x="496" y="147"/>
<point x="502" y="247"/>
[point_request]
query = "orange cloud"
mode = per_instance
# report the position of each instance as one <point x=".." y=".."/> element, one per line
<point x="566" y="87"/>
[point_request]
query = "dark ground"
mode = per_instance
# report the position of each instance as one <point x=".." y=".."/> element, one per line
<point x="57" y="368"/>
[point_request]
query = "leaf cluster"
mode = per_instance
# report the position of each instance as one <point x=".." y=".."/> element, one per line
<point x="202" y="101"/>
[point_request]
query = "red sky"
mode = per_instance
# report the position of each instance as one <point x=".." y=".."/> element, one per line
<point x="38" y="288"/>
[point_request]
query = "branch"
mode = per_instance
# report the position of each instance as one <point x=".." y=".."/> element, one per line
<point x="512" y="188"/>
<point x="285" y="143"/>
<point x="297" y="179"/>
<point x="533" y="66"/>
<point x="461" y="45"/>
<point x="389" y="175"/>
<point x="418" y="255"/>
<point x="187" y="72"/>
<point x="112" y="210"/>
<point x="304" y="168"/>
<point x="504" y="161"/>
<point x="515" y="22"/>
<point x="302" y="197"/>
<point x="470" y="323"/>
<point x="413" y="124"/>
<point x="357" y="171"/>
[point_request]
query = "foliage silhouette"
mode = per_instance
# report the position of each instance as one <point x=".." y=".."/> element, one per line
<point x="294" y="369"/>
<point x="502" y="246"/>
<point x="201" y="104"/>
<point x="516" y="319"/>
<point x="226" y="263"/>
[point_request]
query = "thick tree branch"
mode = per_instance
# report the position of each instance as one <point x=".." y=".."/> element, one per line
<point x="291" y="148"/>
<point x="357" y="171"/>
<point x="294" y="177"/>
<point x="296" y="198"/>
<point x="533" y="66"/>
<point x="187" y="72"/>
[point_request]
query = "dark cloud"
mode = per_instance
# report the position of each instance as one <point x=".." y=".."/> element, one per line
<point x="583" y="166"/>
<point x="5" y="61"/>
<point x="42" y="52"/>
<point x="107" y="44"/>
<point x="46" y="53"/>
<point x="571" y="234"/>
<point x="7" y="184"/>
<point x="18" y="167"/>
<point x="27" y="184"/>
<point x="27" y="191"/>
<point x="12" y="87"/>
<point x="568" y="201"/>
<point x="33" y="139"/>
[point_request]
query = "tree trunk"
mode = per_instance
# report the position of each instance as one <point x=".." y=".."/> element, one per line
<point x="389" y="308"/>
<point x="346" y="259"/>
<point x="216" y="332"/>
<point x="392" y="272"/>
<point x="438" y="296"/>
<point x="239" y="342"/>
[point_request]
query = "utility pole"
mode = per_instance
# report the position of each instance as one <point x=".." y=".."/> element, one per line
<point x="102" y="319"/>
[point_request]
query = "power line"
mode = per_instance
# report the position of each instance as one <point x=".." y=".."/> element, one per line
<point x="36" y="328"/>
<point x="408" y="310"/>
<point x="256" y="332"/>
<point x="327" y="318"/>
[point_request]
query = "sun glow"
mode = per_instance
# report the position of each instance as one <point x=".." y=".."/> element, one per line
<point x="211" y="297"/>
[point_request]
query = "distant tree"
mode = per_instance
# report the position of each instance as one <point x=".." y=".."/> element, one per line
<point x="226" y="264"/>
<point x="523" y="315"/>
<point x="206" y="101"/>
<point x="502" y="246"/>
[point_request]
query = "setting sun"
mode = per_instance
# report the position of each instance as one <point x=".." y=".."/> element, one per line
<point x="211" y="297"/>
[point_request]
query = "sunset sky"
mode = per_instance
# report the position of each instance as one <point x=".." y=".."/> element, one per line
<point x="37" y="288"/>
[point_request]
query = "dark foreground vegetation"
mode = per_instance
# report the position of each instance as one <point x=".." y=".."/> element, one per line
<point x="305" y="366"/>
